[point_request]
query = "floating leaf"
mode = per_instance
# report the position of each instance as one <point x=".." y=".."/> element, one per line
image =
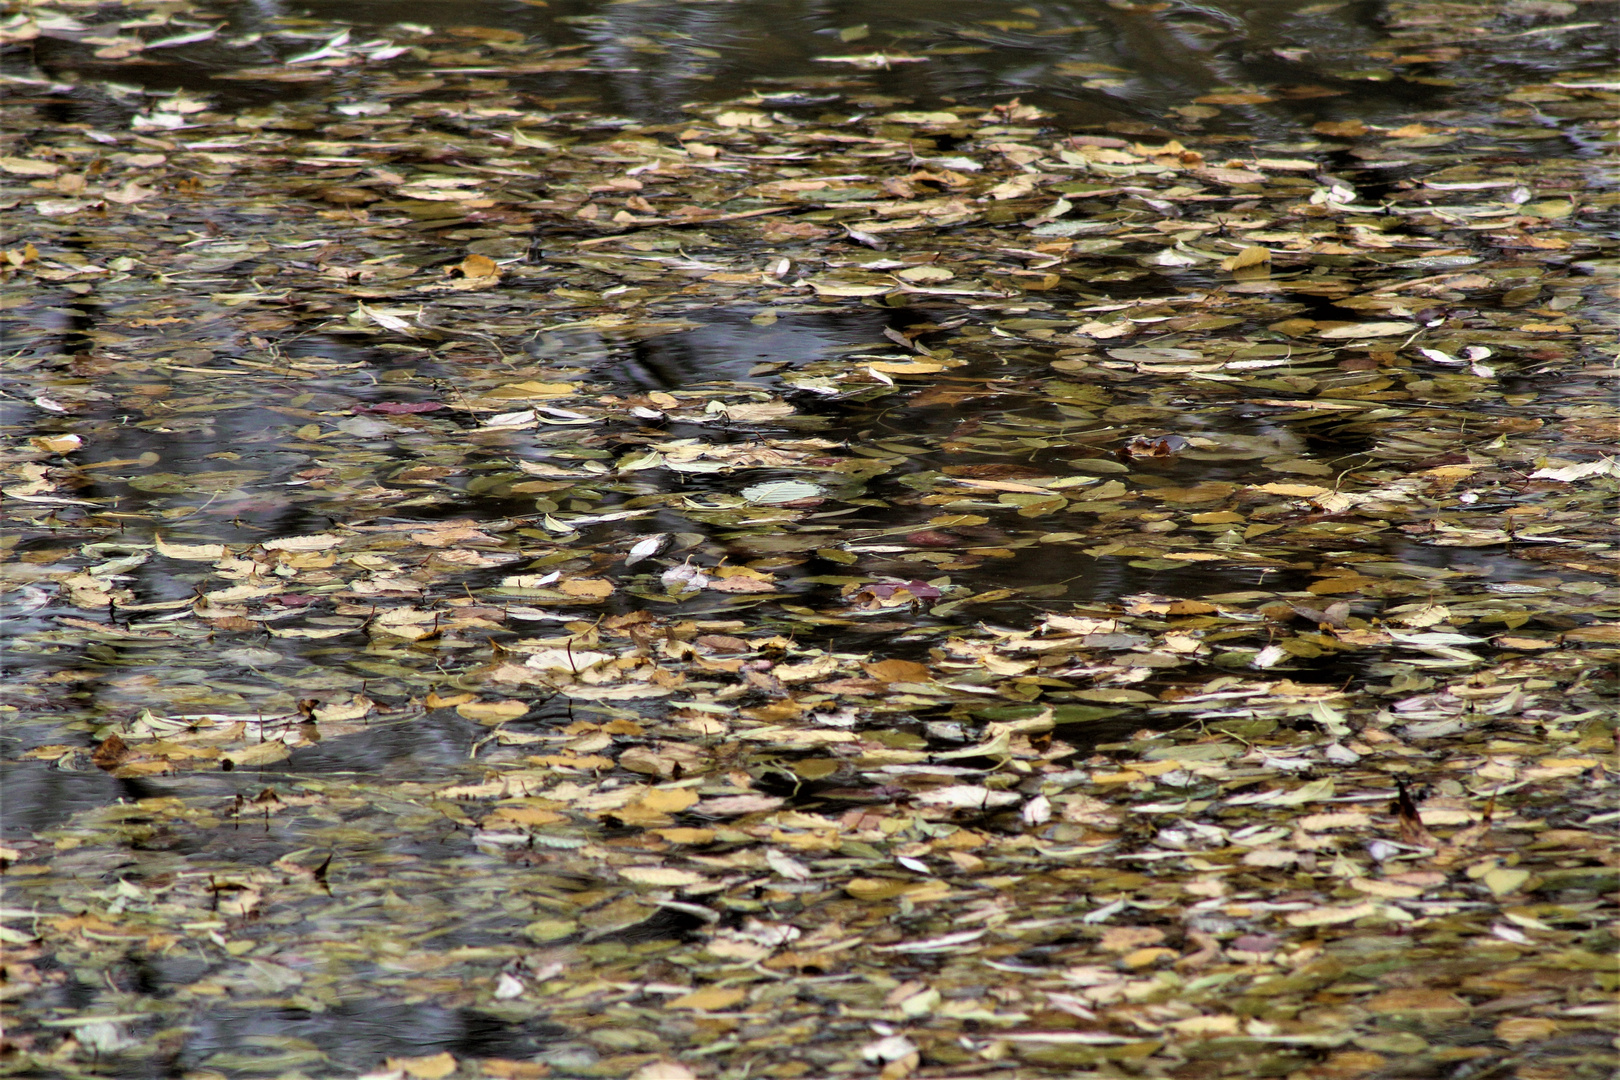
<point x="1368" y="330"/>
<point x="780" y="491"/>
<point x="493" y="712"/>
<point x="711" y="999"/>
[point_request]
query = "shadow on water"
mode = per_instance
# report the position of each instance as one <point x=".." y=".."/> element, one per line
<point x="41" y="796"/>
<point x="352" y="1036"/>
<point x="728" y="347"/>
<point x="222" y="470"/>
<point x="1090" y="61"/>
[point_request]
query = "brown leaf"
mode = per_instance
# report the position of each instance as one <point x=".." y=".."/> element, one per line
<point x="737" y="805"/>
<point x="587" y="588"/>
<point x="743" y="584"/>
<point x="435" y="1067"/>
<point x="478" y="266"/>
<point x="711" y="998"/>
<point x="1209" y="949"/>
<point x="723" y="643"/>
<point x="1417" y="1005"/>
<point x="1342" y="129"/>
<point x="892" y="671"/>
<point x="1233" y="99"/>
<point x="110" y="753"/>
<point x="1412" y="828"/>
<point x="508" y="1069"/>
<point x="1124" y="939"/>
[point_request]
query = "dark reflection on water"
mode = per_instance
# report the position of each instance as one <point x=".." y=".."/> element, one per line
<point x="355" y="1036"/>
<point x="38" y="795"/>
<point x="728" y="347"/>
<point x="1091" y="61"/>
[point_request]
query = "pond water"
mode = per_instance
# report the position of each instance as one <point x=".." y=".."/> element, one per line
<point x="1090" y="63"/>
<point x="420" y="413"/>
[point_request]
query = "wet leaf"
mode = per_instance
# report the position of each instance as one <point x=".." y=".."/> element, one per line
<point x="1368" y="330"/>
<point x="968" y="614"/>
<point x="780" y="491"/>
<point x="436" y="1067"/>
<point x="710" y="999"/>
<point x="493" y="712"/>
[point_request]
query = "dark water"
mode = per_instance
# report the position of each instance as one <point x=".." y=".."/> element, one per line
<point x="724" y="348"/>
<point x="1090" y="62"/>
<point x="348" y="1038"/>
<point x="1130" y="67"/>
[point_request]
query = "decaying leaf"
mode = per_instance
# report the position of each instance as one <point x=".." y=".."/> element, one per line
<point x="827" y="581"/>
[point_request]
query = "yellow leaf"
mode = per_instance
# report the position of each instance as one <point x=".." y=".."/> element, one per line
<point x="352" y="709"/>
<point x="753" y="411"/>
<point x="1330" y="916"/>
<point x="670" y="801"/>
<point x="1114" y="694"/>
<point x="920" y="117"/>
<point x="1502" y="881"/>
<point x="891" y="671"/>
<point x="191" y="552"/>
<point x="661" y="875"/>
<point x="655" y="1070"/>
<point x="590" y="588"/>
<point x="710" y="998"/>
<point x="917" y="274"/>
<point x="1233" y="99"/>
<point x="1522" y="644"/>
<point x="740" y="572"/>
<point x="1341" y="129"/>
<point x="877" y="888"/>
<point x="479" y="266"/>
<point x="56" y="444"/>
<point x="1389" y="890"/>
<point x="317" y="542"/>
<point x="742" y="118"/>
<point x="15" y="166"/>
<point x="1221" y="175"/>
<point x="490" y="713"/>
<point x="1315" y="791"/>
<point x="1336" y="584"/>
<point x="425" y="1068"/>
<point x="848" y="288"/>
<point x="265" y="753"/>
<point x="1550" y="208"/>
<point x="533" y="389"/>
<point x="1297" y="491"/>
<point x="1144" y="957"/>
<point x="1568" y="766"/>
<point x="1422" y="1004"/>
<point x="550" y="929"/>
<point x="1517" y="1029"/>
<point x="1249" y="256"/>
<point x="1206" y="1025"/>
<point x="1367" y="330"/>
<point x="909" y="367"/>
<point x="522" y="815"/>
<point x="1341" y="820"/>
<point x="1123" y="939"/>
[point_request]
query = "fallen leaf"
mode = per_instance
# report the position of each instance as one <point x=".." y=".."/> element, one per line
<point x="711" y="999"/>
